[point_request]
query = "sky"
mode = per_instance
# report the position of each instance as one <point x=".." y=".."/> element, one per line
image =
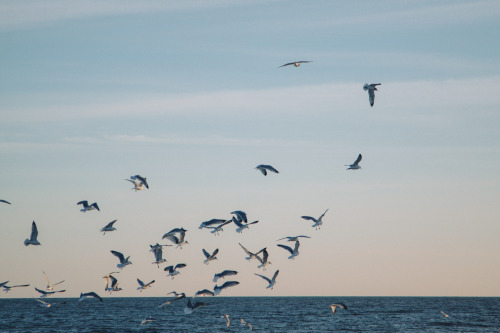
<point x="190" y="95"/>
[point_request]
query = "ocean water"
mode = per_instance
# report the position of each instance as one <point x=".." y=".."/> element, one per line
<point x="266" y="314"/>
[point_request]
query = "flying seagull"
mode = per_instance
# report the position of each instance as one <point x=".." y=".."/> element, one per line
<point x="445" y="314"/>
<point x="217" y="229"/>
<point x="223" y="274"/>
<point x="317" y="222"/>
<point x="123" y="262"/>
<point x="5" y="201"/>
<point x="50" y="286"/>
<point x="293" y="252"/>
<point x="355" y="165"/>
<point x="225" y="285"/>
<point x="34" y="234"/>
<point x="138" y="186"/>
<point x="9" y="288"/>
<point x="87" y="207"/>
<point x="292" y="238"/>
<point x="265" y="168"/>
<point x="211" y="223"/>
<point x="210" y="257"/>
<point x="191" y="307"/>
<point x="240" y="215"/>
<point x="250" y="254"/>
<point x="264" y="261"/>
<point x="340" y="305"/>
<point x="143" y="285"/>
<point x="48" y="293"/>
<point x="172" y="270"/>
<point x="295" y="63"/>
<point x="109" y="227"/>
<point x="177" y="297"/>
<point x="371" y="91"/>
<point x="242" y="226"/>
<point x="180" y="241"/>
<point x="141" y="179"/>
<point x="158" y="252"/>
<point x="3" y="283"/>
<point x="83" y="296"/>
<point x="228" y="321"/>
<point x="204" y="292"/>
<point x="272" y="281"/>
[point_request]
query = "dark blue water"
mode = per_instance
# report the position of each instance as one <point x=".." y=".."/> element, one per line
<point x="267" y="314"/>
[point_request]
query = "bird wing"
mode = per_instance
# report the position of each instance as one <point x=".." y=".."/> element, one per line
<point x="41" y="291"/>
<point x="34" y="231"/>
<point x="85" y="203"/>
<point x="334" y="308"/>
<point x="253" y="222"/>
<point x="288" y="248"/>
<point x="93" y="294"/>
<point x="110" y="224"/>
<point x="264" y="277"/>
<point x="275" y="275"/>
<point x="246" y="251"/>
<point x="296" y="247"/>
<point x="180" y="266"/>
<point x="288" y="64"/>
<point x="170" y="269"/>
<point x="358" y="160"/>
<point x="119" y="255"/>
<point x="270" y="168"/>
<point x="323" y="213"/>
<point x="171" y="238"/>
<point x="207" y="255"/>
<point x="95" y="206"/>
<point x="262" y="169"/>
<point x="158" y="254"/>
<point x="215" y="252"/>
<point x="229" y="284"/>
<point x="238" y="223"/>
<point x="5" y="201"/>
<point x="143" y="180"/>
<point x="140" y="283"/>
<point x="371" y="96"/>
<point x="310" y="218"/>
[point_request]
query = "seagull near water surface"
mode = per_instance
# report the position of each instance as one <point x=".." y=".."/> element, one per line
<point x="225" y="285"/>
<point x="271" y="281"/>
<point x="340" y="305"/>
<point x="48" y="293"/>
<point x="84" y="296"/>
<point x="190" y="307"/>
<point x="371" y="88"/>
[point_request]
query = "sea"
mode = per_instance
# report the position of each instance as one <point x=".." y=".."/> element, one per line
<point x="265" y="314"/>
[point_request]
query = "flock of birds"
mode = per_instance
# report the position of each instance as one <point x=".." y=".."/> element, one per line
<point x="177" y="237"/>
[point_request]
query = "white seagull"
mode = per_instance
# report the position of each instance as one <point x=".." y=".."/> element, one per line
<point x="293" y="252"/>
<point x="34" y="234"/>
<point x="5" y="201"/>
<point x="292" y="238"/>
<point x="87" y="207"/>
<point x="272" y="281"/>
<point x="264" y="261"/>
<point x="158" y="252"/>
<point x="371" y="91"/>
<point x="111" y="283"/>
<point x="251" y="255"/>
<point x="340" y="305"/>
<point x="43" y="304"/>
<point x="123" y="261"/>
<point x="217" y="229"/>
<point x="178" y="296"/>
<point x="148" y="320"/>
<point x="210" y="257"/>
<point x="143" y="286"/>
<point x="265" y="168"/>
<point x="83" y="296"/>
<point x="355" y="165"/>
<point x="211" y="223"/>
<point x="180" y="241"/>
<point x="172" y="270"/>
<point x="48" y="293"/>
<point x="9" y="288"/>
<point x="223" y="274"/>
<point x="138" y="186"/>
<point x="445" y="314"/>
<point x="296" y="63"/>
<point x="242" y="226"/>
<point x="109" y="227"/>
<point x="240" y="215"/>
<point x="204" y="292"/>
<point x="191" y="307"/>
<point x="50" y="286"/>
<point x="228" y="321"/>
<point x="228" y="284"/>
<point x="141" y="179"/>
<point x="317" y="222"/>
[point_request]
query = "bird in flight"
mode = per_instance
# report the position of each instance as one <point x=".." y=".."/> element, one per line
<point x="371" y="91"/>
<point x="33" y="237"/>
<point x="355" y="165"/>
<point x="50" y="286"/>
<point x="5" y="201"/>
<point x="296" y="63"/>
<point x="340" y="305"/>
<point x="87" y="207"/>
<point x="109" y="227"/>
<point x="271" y="281"/>
<point x="83" y="296"/>
<point x="123" y="261"/>
<point x="265" y="168"/>
<point x="317" y="222"/>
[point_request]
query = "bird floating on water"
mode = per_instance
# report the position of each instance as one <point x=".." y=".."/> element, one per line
<point x="48" y="293"/>
<point x="317" y="222"/>
<point x="123" y="261"/>
<point x="296" y="63"/>
<point x="292" y="238"/>
<point x="371" y="91"/>
<point x="109" y="227"/>
<point x="33" y="237"/>
<point x="355" y="165"/>
<point x="265" y="168"/>
<point x="271" y="281"/>
<point x="87" y="207"/>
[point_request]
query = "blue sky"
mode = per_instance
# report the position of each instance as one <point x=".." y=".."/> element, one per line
<point x="190" y="95"/>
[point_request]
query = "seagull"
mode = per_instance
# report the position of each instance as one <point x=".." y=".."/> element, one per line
<point x="180" y="241"/>
<point x="240" y="215"/>
<point x="292" y="238"/>
<point x="250" y="254"/>
<point x="340" y="305"/>
<point x="9" y="288"/>
<point x="228" y="321"/>
<point x="143" y="286"/>
<point x="87" y="207"/>
<point x="108" y="227"/>
<point x="172" y="270"/>
<point x="223" y="274"/>
<point x="156" y="246"/>
<point x="204" y="292"/>
<point x="43" y="304"/>
<point x="5" y="201"/>
<point x="317" y="222"/>
<point x="113" y="286"/>
<point x="272" y="281"/>
<point x="445" y="314"/>
<point x="209" y="256"/>
<point x="3" y="284"/>
<point x="34" y="234"/>
<point x="123" y="262"/>
<point x="210" y="223"/>
<point x="158" y="252"/>
<point x="141" y="179"/>
<point x="371" y="91"/>
<point x="217" y="289"/>
<point x="177" y="297"/>
<point x="295" y="63"/>
<point x="147" y="320"/>
<point x="242" y="226"/>
<point x="51" y="286"/>
<point x="90" y="294"/>
<point x="191" y="307"/>
<point x="138" y="186"/>
<point x="355" y="165"/>
<point x="217" y="229"/>
<point x="265" y="168"/>
<point x="48" y="293"/>
<point x="264" y="261"/>
<point x="293" y="252"/>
